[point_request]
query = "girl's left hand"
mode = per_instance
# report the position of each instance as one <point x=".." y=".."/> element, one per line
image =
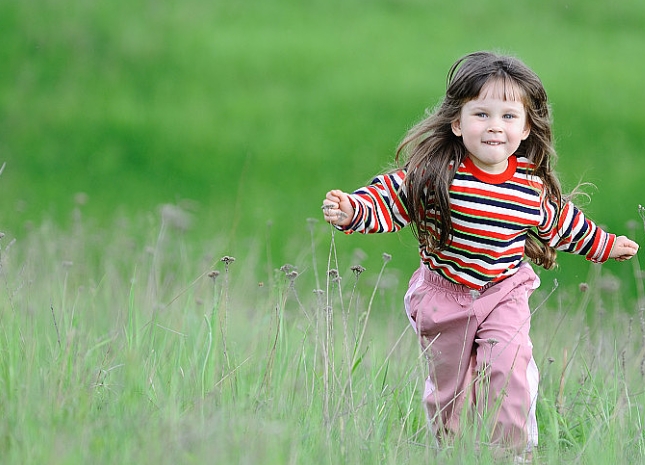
<point x="623" y="249"/>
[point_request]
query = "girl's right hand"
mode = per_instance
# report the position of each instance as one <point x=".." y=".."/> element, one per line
<point x="623" y="249"/>
<point x="337" y="209"/>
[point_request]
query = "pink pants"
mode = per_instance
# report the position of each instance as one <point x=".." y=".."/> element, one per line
<point x="479" y="355"/>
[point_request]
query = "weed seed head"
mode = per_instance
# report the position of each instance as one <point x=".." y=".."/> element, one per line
<point x="584" y="287"/>
<point x="333" y="273"/>
<point x="357" y="269"/>
<point x="1" y="235"/>
<point x="287" y="268"/>
<point x="227" y="260"/>
<point x="213" y="274"/>
<point x="492" y="341"/>
<point x="386" y="257"/>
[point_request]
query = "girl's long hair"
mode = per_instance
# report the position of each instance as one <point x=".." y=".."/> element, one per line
<point x="433" y="152"/>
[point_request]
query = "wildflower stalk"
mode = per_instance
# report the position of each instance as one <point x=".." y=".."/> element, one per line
<point x="311" y="222"/>
<point x="130" y="328"/>
<point x="269" y="256"/>
<point x="357" y="270"/>
<point x="223" y="316"/>
<point x="213" y="275"/>
<point x="333" y="278"/>
<point x="279" y="309"/>
<point x="209" y="346"/>
<point x="359" y="342"/>
<point x="51" y="306"/>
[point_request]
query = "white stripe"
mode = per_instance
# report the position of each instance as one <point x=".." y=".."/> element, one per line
<point x="533" y="378"/>
<point x="459" y="224"/>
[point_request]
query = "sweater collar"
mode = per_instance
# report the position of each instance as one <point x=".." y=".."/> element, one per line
<point x="489" y="178"/>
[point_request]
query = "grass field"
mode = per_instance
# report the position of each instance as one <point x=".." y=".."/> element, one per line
<point x="144" y="141"/>
<point x="133" y="345"/>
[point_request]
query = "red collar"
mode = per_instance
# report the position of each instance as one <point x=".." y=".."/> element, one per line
<point x="489" y="178"/>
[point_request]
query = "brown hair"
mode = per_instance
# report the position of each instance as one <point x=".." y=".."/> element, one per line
<point x="433" y="152"/>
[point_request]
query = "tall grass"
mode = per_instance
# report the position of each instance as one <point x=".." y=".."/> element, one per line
<point x="132" y="344"/>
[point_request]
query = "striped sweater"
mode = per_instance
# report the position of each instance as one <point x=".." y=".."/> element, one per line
<point x="491" y="217"/>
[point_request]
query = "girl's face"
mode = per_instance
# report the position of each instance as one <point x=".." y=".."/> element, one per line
<point x="493" y="125"/>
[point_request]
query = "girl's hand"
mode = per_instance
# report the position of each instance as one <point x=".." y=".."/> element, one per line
<point x="623" y="249"/>
<point x="337" y="209"/>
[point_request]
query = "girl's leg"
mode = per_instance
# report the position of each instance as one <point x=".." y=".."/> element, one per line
<point x="441" y="314"/>
<point x="505" y="360"/>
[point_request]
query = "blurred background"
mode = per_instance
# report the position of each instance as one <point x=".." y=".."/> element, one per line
<point x="243" y="114"/>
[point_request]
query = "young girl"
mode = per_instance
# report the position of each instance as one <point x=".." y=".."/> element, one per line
<point x="479" y="191"/>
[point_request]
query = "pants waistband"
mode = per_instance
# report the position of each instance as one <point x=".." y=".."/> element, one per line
<point x="433" y="278"/>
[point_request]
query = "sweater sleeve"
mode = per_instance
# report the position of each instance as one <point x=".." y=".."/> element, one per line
<point x="570" y="231"/>
<point x="380" y="206"/>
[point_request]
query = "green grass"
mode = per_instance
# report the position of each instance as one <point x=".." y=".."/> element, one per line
<point x="131" y="344"/>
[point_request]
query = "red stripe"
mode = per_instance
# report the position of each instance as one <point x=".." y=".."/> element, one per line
<point x="397" y="199"/>
<point x="482" y="193"/>
<point x="492" y="215"/>
<point x="380" y="212"/>
<point x="493" y="235"/>
<point x="506" y="252"/>
<point x="484" y="271"/>
<point x="387" y="218"/>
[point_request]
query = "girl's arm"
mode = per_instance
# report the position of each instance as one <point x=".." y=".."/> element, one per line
<point x="569" y="230"/>
<point x="379" y="207"/>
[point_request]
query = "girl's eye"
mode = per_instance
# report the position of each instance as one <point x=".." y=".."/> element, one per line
<point x="509" y="116"/>
<point x="481" y="115"/>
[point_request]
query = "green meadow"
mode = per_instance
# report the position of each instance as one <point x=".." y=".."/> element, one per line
<point x="141" y="142"/>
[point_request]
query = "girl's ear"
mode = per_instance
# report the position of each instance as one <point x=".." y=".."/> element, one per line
<point x="526" y="132"/>
<point x="456" y="128"/>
